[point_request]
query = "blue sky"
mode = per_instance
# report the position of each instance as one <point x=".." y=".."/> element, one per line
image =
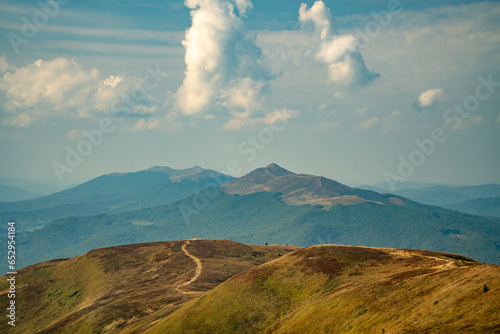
<point x="358" y="91"/>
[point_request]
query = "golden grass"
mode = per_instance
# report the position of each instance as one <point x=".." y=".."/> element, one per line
<point x="124" y="289"/>
<point x="342" y="289"/>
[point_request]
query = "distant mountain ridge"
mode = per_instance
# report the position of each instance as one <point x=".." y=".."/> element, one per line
<point x="117" y="192"/>
<point x="300" y="189"/>
<point x="453" y="197"/>
<point x="11" y="194"/>
<point x="479" y="206"/>
<point x="269" y="205"/>
<point x="42" y="187"/>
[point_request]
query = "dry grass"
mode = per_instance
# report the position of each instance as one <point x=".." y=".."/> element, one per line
<point x="124" y="289"/>
<point x="343" y="289"/>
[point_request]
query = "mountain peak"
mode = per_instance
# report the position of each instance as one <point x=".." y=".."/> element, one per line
<point x="175" y="172"/>
<point x="160" y="169"/>
<point x="299" y="189"/>
<point x="276" y="170"/>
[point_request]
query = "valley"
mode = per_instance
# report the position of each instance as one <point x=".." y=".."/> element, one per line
<point x="271" y="205"/>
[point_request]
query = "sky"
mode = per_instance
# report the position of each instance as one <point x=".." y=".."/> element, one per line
<point x="359" y="91"/>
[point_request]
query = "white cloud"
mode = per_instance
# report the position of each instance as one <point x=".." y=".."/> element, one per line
<point x="168" y="123"/>
<point x="145" y="125"/>
<point x="280" y="115"/>
<point x="346" y="65"/>
<point x="4" y="66"/>
<point x="327" y="126"/>
<point x="21" y="120"/>
<point x="224" y="67"/>
<point x="61" y="87"/>
<point x="75" y="135"/>
<point x="360" y="112"/>
<point x="44" y="87"/>
<point x="320" y="15"/>
<point x="368" y="124"/>
<point x="244" y="97"/>
<point x="429" y="97"/>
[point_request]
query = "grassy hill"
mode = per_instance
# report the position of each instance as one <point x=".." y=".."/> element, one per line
<point x="124" y="289"/>
<point x="153" y="288"/>
<point x="342" y="289"/>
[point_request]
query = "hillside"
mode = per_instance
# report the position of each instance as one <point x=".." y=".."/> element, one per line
<point x="343" y="289"/>
<point x="42" y="187"/>
<point x="123" y="289"/>
<point x="479" y="206"/>
<point x="118" y="192"/>
<point x="11" y="194"/>
<point x="441" y="195"/>
<point x="264" y="218"/>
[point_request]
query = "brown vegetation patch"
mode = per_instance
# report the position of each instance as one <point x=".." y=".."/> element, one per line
<point x="396" y="201"/>
<point x="124" y="287"/>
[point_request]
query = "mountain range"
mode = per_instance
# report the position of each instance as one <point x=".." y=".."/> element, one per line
<point x="300" y="189"/>
<point x="479" y="206"/>
<point x="11" y="194"/>
<point x="118" y="192"/>
<point x="220" y="286"/>
<point x="37" y="187"/>
<point x="476" y="200"/>
<point x="268" y="205"/>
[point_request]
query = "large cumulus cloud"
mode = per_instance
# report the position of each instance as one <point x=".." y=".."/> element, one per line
<point x="62" y="88"/>
<point x="225" y="70"/>
<point x="346" y="66"/>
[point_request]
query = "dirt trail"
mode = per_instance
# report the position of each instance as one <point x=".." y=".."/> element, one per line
<point x="199" y="268"/>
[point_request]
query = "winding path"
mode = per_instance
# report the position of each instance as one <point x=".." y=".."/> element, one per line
<point x="199" y="268"/>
